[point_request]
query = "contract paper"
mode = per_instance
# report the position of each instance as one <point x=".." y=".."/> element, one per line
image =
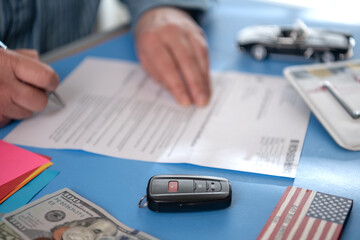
<point x="253" y="123"/>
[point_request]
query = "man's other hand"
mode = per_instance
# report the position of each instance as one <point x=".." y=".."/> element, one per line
<point x="173" y="50"/>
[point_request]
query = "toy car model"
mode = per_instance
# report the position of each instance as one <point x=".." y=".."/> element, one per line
<point x="323" y="45"/>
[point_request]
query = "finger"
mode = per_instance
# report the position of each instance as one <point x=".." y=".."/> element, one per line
<point x="29" y="53"/>
<point x="12" y="90"/>
<point x="29" y="97"/>
<point x="167" y="71"/>
<point x="170" y="77"/>
<point x="186" y="59"/>
<point x="13" y="111"/>
<point x="149" y="68"/>
<point x="35" y="73"/>
<point x="202" y="56"/>
<point x="200" y="47"/>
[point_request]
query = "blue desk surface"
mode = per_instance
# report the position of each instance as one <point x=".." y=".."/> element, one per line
<point x="118" y="184"/>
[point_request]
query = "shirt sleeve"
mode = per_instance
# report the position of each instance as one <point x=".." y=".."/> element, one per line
<point x="193" y="7"/>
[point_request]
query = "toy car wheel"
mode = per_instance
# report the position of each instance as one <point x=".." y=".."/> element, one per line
<point x="327" y="57"/>
<point x="258" y="52"/>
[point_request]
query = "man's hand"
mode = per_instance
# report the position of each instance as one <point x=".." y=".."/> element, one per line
<point x="24" y="81"/>
<point x="173" y="50"/>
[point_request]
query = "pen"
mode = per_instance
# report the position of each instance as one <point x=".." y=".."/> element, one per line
<point x="353" y="113"/>
<point x="2" y="45"/>
<point x="56" y="96"/>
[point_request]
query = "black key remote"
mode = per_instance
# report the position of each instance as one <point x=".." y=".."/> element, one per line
<point x="171" y="193"/>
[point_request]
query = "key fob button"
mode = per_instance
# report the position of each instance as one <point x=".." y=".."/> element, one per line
<point x="213" y="186"/>
<point x="173" y="186"/>
<point x="159" y="186"/>
<point x="200" y="186"/>
<point x="167" y="185"/>
<point x="185" y="186"/>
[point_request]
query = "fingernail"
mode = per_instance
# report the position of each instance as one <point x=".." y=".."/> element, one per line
<point x="201" y="100"/>
<point x="184" y="101"/>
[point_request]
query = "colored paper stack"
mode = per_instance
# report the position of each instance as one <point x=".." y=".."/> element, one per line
<point x="17" y="167"/>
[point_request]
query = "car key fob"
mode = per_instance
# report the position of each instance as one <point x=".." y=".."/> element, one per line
<point x="172" y="193"/>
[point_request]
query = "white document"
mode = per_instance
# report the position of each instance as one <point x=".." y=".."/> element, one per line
<point x="254" y="123"/>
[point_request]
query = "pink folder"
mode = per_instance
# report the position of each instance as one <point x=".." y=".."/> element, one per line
<point x="16" y="165"/>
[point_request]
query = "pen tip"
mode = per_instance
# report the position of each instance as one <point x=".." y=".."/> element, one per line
<point x="57" y="99"/>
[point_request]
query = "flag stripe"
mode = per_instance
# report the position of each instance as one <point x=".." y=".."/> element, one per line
<point x="301" y="227"/>
<point x="278" y="210"/>
<point x="320" y="229"/>
<point x="307" y="228"/>
<point x="331" y="231"/>
<point x="314" y="229"/>
<point x="284" y="214"/>
<point x="325" y="231"/>
<point x="301" y="214"/>
<point x="291" y="214"/>
<point x="301" y="211"/>
<point x="338" y="232"/>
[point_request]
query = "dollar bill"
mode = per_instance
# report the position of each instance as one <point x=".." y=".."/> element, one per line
<point x="6" y="233"/>
<point x="64" y="215"/>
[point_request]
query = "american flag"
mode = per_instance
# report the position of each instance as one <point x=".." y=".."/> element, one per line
<point x="307" y="214"/>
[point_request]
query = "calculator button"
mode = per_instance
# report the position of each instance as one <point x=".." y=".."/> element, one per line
<point x="200" y="186"/>
<point x="173" y="186"/>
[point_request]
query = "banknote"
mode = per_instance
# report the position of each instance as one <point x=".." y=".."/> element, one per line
<point x="64" y="215"/>
<point x="6" y="233"/>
